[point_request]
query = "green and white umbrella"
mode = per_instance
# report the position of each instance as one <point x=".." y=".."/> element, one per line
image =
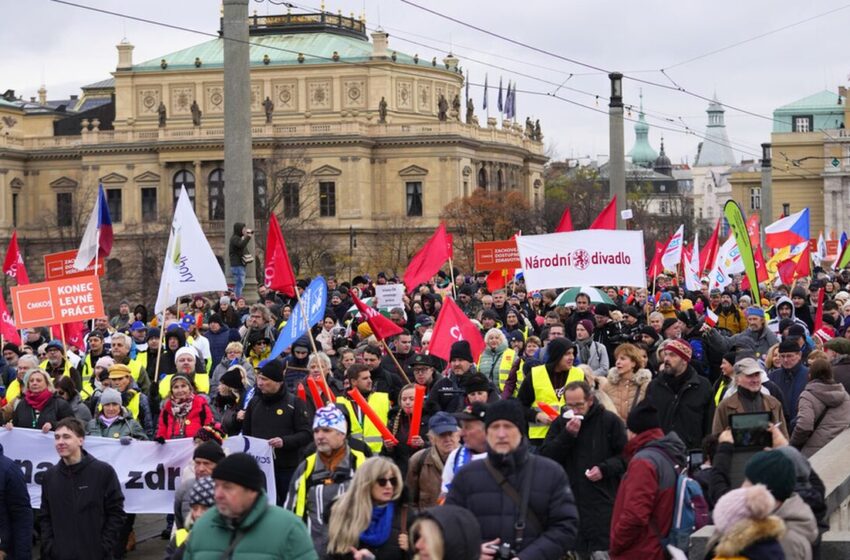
<point x="568" y="298"/>
<point x="367" y="301"/>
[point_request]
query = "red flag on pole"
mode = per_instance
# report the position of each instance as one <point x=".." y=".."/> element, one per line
<point x="754" y="230"/>
<point x="804" y="264"/>
<point x="708" y="254"/>
<point x="278" y="274"/>
<point x="761" y="268"/>
<point x="566" y="223"/>
<point x="785" y="269"/>
<point x="430" y="258"/>
<point x="819" y="311"/>
<point x="655" y="267"/>
<point x="74" y="334"/>
<point x="14" y="263"/>
<point x="498" y="279"/>
<point x="452" y="326"/>
<point x="381" y="326"/>
<point x="607" y="219"/>
<point x="7" y="324"/>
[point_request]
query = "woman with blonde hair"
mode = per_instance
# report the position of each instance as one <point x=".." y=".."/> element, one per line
<point x="370" y="519"/>
<point x="627" y="380"/>
<point x="446" y="533"/>
<point x="490" y="361"/>
<point x="39" y="406"/>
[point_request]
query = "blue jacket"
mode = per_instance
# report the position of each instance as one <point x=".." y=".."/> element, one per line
<point x="792" y="382"/>
<point x="219" y="341"/>
<point x="16" y="519"/>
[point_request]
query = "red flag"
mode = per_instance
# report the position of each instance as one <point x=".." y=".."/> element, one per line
<point x="804" y="264"/>
<point x="380" y="325"/>
<point x="7" y="324"/>
<point x="430" y="259"/>
<point x="708" y="254"/>
<point x="14" y="263"/>
<point x="452" y="326"/>
<point x="761" y="268"/>
<point x="498" y="279"/>
<point x="753" y="230"/>
<point x="75" y="334"/>
<point x="786" y="271"/>
<point x="278" y="274"/>
<point x="655" y="267"/>
<point x="566" y="223"/>
<point x="819" y="311"/>
<point x="607" y="219"/>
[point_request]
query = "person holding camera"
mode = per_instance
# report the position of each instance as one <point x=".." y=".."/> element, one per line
<point x="523" y="501"/>
<point x="239" y="257"/>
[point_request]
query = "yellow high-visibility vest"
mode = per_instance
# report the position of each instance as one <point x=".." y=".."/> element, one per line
<point x="368" y="433"/>
<point x="301" y="499"/>
<point x="545" y="392"/>
<point x="202" y="384"/>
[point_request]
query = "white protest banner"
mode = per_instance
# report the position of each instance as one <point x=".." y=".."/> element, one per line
<point x="390" y="296"/>
<point x="582" y="258"/>
<point x="149" y="472"/>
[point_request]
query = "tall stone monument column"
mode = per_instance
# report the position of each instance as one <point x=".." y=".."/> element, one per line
<point x="238" y="165"/>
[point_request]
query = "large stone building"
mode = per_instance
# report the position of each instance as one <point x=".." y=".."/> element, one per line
<point x="352" y="140"/>
<point x="712" y="167"/>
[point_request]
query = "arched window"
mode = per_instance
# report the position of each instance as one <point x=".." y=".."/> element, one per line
<point x="482" y="178"/>
<point x="261" y="193"/>
<point x="114" y="270"/>
<point x="215" y="186"/>
<point x="184" y="178"/>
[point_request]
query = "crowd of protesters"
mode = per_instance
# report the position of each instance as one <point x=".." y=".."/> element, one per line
<point x="637" y="383"/>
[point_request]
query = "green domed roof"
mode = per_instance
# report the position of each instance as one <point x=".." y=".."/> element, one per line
<point x="642" y="153"/>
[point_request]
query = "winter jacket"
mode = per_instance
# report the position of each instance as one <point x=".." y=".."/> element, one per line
<point x="645" y="500"/>
<point x="599" y="443"/>
<point x="841" y="371"/>
<point x="199" y="416"/>
<point x="399" y="424"/>
<point x="751" y="539"/>
<point x="626" y="393"/>
<point x="551" y="500"/>
<point x="489" y="362"/>
<point x="279" y="415"/>
<point x="82" y="510"/>
<point x="448" y="393"/>
<point x="759" y="341"/>
<point x="221" y="368"/>
<point x="791" y="382"/>
<point x="266" y="532"/>
<point x="688" y="411"/>
<point x="733" y="404"/>
<point x="81" y="411"/>
<point x="236" y="245"/>
<point x="16" y="519"/>
<point x="424" y="478"/>
<point x="125" y="425"/>
<point x="461" y="532"/>
<point x="801" y="529"/>
<point x="219" y="341"/>
<point x="390" y="550"/>
<point x="611" y="335"/>
<point x="25" y="416"/>
<point x="596" y="356"/>
<point x="732" y="320"/>
<point x="773" y="324"/>
<point x="824" y="404"/>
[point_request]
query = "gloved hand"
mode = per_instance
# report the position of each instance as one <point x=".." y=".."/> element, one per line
<point x="160" y="440"/>
<point x="125" y="440"/>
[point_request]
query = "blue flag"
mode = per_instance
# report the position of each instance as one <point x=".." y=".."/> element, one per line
<point x="484" y="105"/>
<point x="843" y="241"/>
<point x="499" y="104"/>
<point x="314" y="299"/>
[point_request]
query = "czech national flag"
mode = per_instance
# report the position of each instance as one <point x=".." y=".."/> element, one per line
<point x="97" y="238"/>
<point x="790" y="230"/>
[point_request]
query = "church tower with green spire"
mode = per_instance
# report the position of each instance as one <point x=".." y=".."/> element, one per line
<point x="642" y="153"/>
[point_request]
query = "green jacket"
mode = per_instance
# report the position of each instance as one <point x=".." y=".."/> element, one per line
<point x="124" y="426"/>
<point x="267" y="532"/>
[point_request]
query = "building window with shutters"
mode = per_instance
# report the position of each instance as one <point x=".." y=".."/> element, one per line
<point x="64" y="209"/>
<point x="414" y="198"/>
<point x="755" y="198"/>
<point x="113" y="201"/>
<point x="149" y="211"/>
<point x="327" y="199"/>
<point x="290" y="193"/>
<point x="215" y="186"/>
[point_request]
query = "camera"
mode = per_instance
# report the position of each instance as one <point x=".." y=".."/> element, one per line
<point x="503" y="551"/>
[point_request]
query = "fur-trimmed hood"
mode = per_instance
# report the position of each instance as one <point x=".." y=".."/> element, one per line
<point x="641" y="377"/>
<point x="749" y="532"/>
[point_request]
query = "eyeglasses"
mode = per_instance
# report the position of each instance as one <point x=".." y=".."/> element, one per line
<point x="42" y="355"/>
<point x="393" y="481"/>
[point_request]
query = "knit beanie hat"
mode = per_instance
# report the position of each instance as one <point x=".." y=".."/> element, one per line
<point x="789" y="345"/>
<point x="588" y="326"/>
<point x="203" y="492"/>
<point x="329" y="416"/>
<point x="104" y="362"/>
<point x="232" y="377"/>
<point x="730" y="357"/>
<point x="556" y="349"/>
<point x="753" y="502"/>
<point x="461" y="350"/>
<point x="643" y="417"/>
<point x="185" y="350"/>
<point x="602" y="309"/>
<point x="272" y="369"/>
<point x="364" y="330"/>
<point x="241" y="469"/>
<point x="680" y="348"/>
<point x="774" y="470"/>
<point x="475" y="383"/>
<point x="755" y="312"/>
<point x="509" y="410"/>
<point x="181" y="377"/>
<point x="649" y="331"/>
<point x="110" y="396"/>
<point x="119" y="371"/>
<point x="209" y="450"/>
<point x="669" y="322"/>
<point x="215" y="318"/>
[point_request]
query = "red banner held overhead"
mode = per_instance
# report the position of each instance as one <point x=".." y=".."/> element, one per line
<point x="61" y="265"/>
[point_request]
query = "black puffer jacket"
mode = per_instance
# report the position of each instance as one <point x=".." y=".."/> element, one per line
<point x="279" y="415"/>
<point x="687" y="411"/>
<point x="54" y="410"/>
<point x="237" y="244"/>
<point x="461" y="532"/>
<point x="551" y="500"/>
<point x="599" y="443"/>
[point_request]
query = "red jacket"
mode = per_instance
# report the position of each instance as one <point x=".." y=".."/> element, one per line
<point x="643" y="510"/>
<point x="199" y="415"/>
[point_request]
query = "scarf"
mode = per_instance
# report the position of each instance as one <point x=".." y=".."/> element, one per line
<point x="584" y="349"/>
<point x="109" y="421"/>
<point x="380" y="526"/>
<point x="180" y="409"/>
<point x="37" y="400"/>
<point x="751" y="400"/>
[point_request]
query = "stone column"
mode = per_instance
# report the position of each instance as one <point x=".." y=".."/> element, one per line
<point x="238" y="173"/>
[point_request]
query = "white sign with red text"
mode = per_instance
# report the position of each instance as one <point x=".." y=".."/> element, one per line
<point x="583" y="258"/>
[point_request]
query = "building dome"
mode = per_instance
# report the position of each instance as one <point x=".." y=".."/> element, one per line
<point x="642" y="153"/>
<point x="662" y="163"/>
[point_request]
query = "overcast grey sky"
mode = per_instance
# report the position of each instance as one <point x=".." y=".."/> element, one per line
<point x="65" y="47"/>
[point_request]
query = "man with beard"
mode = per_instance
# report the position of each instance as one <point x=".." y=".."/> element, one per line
<point x="683" y="398"/>
<point x="729" y="315"/>
<point x="58" y="365"/>
<point x="448" y="392"/>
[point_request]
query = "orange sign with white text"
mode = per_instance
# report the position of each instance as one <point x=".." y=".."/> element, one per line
<point x="61" y="265"/>
<point x="496" y="255"/>
<point x="57" y="302"/>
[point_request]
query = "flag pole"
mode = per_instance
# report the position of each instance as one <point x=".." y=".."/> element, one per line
<point x="452" y="272"/>
<point x="161" y="339"/>
<point x="395" y="361"/>
<point x="64" y="345"/>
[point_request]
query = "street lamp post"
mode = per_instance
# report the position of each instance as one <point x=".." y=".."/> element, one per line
<point x="616" y="145"/>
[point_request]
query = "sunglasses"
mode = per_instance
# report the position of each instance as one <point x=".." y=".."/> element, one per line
<point x="393" y="481"/>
